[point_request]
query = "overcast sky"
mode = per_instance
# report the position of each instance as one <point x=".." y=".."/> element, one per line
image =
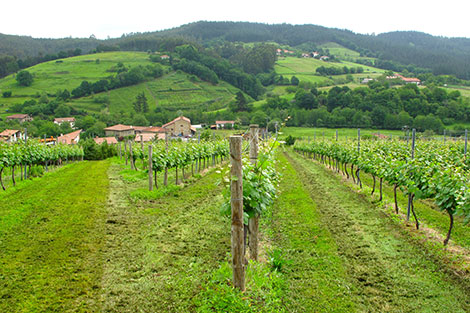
<point x="103" y="18"/>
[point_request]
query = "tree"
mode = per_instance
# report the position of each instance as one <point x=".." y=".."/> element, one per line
<point x="240" y="103"/>
<point x="294" y="81"/>
<point x="24" y="78"/>
<point x="140" y="103"/>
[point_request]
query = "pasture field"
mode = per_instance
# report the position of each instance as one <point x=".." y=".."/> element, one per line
<point x="338" y="50"/>
<point x="330" y="133"/>
<point x="174" y="91"/>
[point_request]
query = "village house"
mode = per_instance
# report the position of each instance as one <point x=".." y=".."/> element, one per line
<point x="20" y="118"/>
<point x="180" y="126"/>
<point x="70" y="138"/>
<point x="324" y="58"/>
<point x="119" y="130"/>
<point x="165" y="57"/>
<point x="108" y="140"/>
<point x="11" y="135"/>
<point x="407" y="80"/>
<point x="224" y="124"/>
<point x="60" y="120"/>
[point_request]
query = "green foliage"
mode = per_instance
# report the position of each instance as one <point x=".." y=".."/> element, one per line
<point x="277" y="260"/>
<point x="94" y="151"/>
<point x="264" y="291"/>
<point x="24" y="78"/>
<point x="6" y="94"/>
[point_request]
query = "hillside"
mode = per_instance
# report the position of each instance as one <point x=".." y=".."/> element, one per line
<point x="174" y="91"/>
<point x="395" y="51"/>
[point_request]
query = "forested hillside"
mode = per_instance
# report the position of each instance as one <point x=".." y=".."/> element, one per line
<point x="394" y="51"/>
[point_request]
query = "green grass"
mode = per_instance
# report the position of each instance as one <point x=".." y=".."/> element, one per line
<point x="338" y="50"/>
<point x="382" y="261"/>
<point x="316" y="276"/>
<point x="68" y="74"/>
<point x="174" y="91"/>
<point x="330" y="133"/>
<point x="51" y="231"/>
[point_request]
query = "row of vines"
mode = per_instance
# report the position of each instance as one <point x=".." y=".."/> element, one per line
<point x="32" y="153"/>
<point x="437" y="170"/>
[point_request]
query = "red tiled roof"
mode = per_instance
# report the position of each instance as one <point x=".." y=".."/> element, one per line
<point x="145" y="137"/>
<point x="119" y="127"/>
<point x="8" y="132"/>
<point x="69" y="138"/>
<point x="155" y="129"/>
<point x="176" y="119"/>
<point x="64" y="119"/>
<point x="18" y="116"/>
<point x="139" y="128"/>
<point x="108" y="140"/>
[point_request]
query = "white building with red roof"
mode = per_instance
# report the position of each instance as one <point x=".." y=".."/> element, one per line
<point x="71" y="138"/>
<point x="60" y="120"/>
<point x="223" y="124"/>
<point x="11" y="135"/>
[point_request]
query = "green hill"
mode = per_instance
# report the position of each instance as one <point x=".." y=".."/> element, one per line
<point x="174" y="91"/>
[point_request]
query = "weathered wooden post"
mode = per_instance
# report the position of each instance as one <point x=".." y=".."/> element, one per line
<point x="142" y="148"/>
<point x="165" y="175"/>
<point x="125" y="151"/>
<point x="253" y="223"/>
<point x="131" y="155"/>
<point x="236" y="203"/>
<point x="336" y="135"/>
<point x="120" y="150"/>
<point x="410" y="196"/>
<point x="150" y="169"/>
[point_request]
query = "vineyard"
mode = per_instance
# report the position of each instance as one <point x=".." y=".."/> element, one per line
<point x="27" y="155"/>
<point x="434" y="170"/>
<point x="238" y="225"/>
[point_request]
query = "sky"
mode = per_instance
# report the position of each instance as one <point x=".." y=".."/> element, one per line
<point x="104" y="18"/>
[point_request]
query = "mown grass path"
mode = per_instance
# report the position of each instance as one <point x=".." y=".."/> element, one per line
<point x="50" y="240"/>
<point x="158" y="253"/>
<point x="388" y="273"/>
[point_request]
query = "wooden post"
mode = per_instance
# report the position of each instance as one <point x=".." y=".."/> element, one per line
<point x="125" y="151"/>
<point x="120" y="150"/>
<point x="131" y="155"/>
<point x="253" y="223"/>
<point x="142" y="148"/>
<point x="236" y="202"/>
<point x="150" y="169"/>
<point x="410" y="196"/>
<point x="165" y="175"/>
<point x="336" y="135"/>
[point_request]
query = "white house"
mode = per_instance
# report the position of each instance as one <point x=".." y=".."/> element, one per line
<point x="60" y="120"/>
<point x="11" y="135"/>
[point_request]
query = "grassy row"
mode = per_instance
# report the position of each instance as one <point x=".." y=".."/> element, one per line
<point x="50" y="237"/>
<point x="385" y="266"/>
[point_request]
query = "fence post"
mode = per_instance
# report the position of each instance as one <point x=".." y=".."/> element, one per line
<point x="131" y="155"/>
<point x="165" y="175"/>
<point x="336" y="135"/>
<point x="125" y="150"/>
<point x="120" y="150"/>
<point x="410" y="197"/>
<point x="150" y="169"/>
<point x="253" y="223"/>
<point x="236" y="203"/>
<point x="142" y="148"/>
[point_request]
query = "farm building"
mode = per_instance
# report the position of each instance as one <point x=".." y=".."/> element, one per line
<point x="119" y="130"/>
<point x="11" y="135"/>
<point x="108" y="140"/>
<point x="20" y="118"/>
<point x="224" y="124"/>
<point x="180" y="126"/>
<point x="60" y="120"/>
<point x="70" y="138"/>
